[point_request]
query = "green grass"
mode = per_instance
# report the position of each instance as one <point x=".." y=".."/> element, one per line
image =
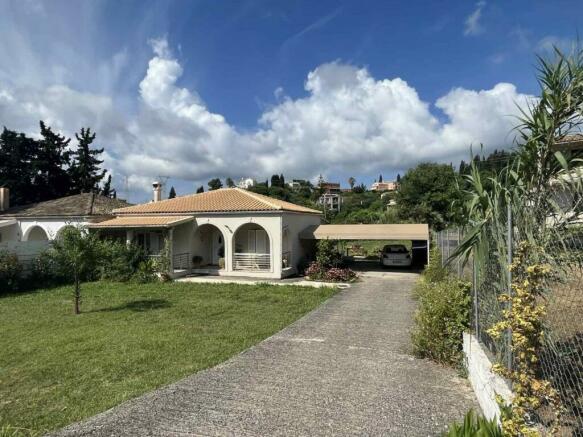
<point x="57" y="368"/>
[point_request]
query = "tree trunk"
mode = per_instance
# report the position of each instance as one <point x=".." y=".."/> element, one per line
<point x="77" y="295"/>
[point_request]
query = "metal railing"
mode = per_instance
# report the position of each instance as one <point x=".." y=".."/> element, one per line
<point x="181" y="261"/>
<point x="252" y="261"/>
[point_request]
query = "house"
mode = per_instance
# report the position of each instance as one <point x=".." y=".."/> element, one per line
<point x="245" y="184"/>
<point x="42" y="221"/>
<point x="229" y="231"/>
<point x="329" y="187"/>
<point x="384" y="186"/>
<point x="331" y="201"/>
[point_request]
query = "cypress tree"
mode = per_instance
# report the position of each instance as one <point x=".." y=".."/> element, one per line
<point x="17" y="166"/>
<point x="172" y="193"/>
<point x="200" y="190"/>
<point x="52" y="160"/>
<point x="85" y="169"/>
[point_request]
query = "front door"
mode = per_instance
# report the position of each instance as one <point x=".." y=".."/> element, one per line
<point x="217" y="247"/>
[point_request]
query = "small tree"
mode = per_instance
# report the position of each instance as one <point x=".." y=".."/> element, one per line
<point x="230" y="182"/>
<point x="351" y="182"/>
<point x="75" y="253"/>
<point x="107" y="190"/>
<point x="172" y="193"/>
<point x="380" y="178"/>
<point x="215" y="184"/>
<point x="200" y="190"/>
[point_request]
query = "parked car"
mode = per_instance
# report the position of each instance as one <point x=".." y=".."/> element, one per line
<point x="395" y="255"/>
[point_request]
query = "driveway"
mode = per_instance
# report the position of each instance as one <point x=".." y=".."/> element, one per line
<point x="344" y="369"/>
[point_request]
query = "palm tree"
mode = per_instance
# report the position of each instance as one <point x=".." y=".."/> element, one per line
<point x="351" y="182"/>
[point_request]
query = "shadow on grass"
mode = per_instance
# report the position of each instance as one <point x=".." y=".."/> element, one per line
<point x="137" y="306"/>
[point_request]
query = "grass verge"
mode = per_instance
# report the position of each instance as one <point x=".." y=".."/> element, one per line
<point x="57" y="368"/>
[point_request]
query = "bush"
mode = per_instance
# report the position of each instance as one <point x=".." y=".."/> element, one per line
<point x="318" y="272"/>
<point x="120" y="262"/>
<point x="327" y="255"/>
<point x="435" y="272"/>
<point x="45" y="272"/>
<point x="10" y="272"/>
<point x="145" y="272"/>
<point x="441" y="318"/>
<point x="474" y="425"/>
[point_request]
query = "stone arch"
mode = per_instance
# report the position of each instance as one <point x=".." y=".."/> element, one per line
<point x="36" y="233"/>
<point x="252" y="247"/>
<point x="209" y="243"/>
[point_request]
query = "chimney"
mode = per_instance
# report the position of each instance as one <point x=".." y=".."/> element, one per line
<point x="4" y="198"/>
<point x="157" y="191"/>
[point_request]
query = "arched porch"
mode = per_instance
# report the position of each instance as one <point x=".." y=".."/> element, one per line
<point x="252" y="249"/>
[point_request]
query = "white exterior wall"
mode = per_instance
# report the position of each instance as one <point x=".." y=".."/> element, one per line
<point x="51" y="226"/>
<point x="296" y="223"/>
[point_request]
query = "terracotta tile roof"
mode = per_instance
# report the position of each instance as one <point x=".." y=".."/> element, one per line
<point x="222" y="200"/>
<point x="569" y="142"/>
<point x="77" y="205"/>
<point x="142" y="222"/>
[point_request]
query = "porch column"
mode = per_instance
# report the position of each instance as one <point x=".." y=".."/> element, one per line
<point x="170" y="237"/>
<point x="228" y="243"/>
<point x="129" y="237"/>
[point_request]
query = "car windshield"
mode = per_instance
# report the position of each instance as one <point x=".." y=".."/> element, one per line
<point x="395" y="248"/>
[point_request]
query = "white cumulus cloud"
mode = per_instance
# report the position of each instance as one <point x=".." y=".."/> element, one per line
<point x="347" y="122"/>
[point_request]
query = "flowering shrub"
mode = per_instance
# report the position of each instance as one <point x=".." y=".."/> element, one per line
<point x="317" y="272"/>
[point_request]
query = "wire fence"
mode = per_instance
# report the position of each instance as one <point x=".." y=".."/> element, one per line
<point x="555" y="226"/>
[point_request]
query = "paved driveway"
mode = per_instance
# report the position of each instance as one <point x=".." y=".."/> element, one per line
<point x="344" y="369"/>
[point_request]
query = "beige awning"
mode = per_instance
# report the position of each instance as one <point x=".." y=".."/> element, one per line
<point x="142" y="222"/>
<point x="366" y="232"/>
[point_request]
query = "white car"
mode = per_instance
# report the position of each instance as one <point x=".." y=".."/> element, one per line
<point x="395" y="255"/>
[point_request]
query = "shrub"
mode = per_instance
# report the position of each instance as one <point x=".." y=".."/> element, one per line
<point x="10" y="272"/>
<point x="441" y="318"/>
<point x="434" y="271"/>
<point x="316" y="271"/>
<point x="327" y="255"/>
<point x="45" y="272"/>
<point x="336" y="274"/>
<point x="145" y="272"/>
<point x="474" y="425"/>
<point x="119" y="261"/>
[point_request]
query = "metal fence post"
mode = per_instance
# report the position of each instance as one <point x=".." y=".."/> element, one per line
<point x="459" y="264"/>
<point x="475" y="292"/>
<point x="509" y="261"/>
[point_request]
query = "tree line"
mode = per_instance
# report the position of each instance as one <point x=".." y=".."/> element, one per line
<point x="47" y="167"/>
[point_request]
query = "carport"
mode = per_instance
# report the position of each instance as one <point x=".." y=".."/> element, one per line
<point x="418" y="234"/>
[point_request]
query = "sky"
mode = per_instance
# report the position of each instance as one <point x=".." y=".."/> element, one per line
<point x="191" y="90"/>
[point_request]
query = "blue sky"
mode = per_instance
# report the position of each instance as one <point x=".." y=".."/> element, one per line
<point x="198" y="89"/>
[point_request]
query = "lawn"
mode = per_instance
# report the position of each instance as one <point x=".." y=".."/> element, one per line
<point x="57" y="368"/>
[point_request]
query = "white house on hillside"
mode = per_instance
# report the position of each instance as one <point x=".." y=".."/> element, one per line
<point x="229" y="231"/>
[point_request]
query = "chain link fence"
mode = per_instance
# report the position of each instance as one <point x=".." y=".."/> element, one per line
<point x="555" y="227"/>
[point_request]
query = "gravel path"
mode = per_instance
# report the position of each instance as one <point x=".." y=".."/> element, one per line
<point x="344" y="369"/>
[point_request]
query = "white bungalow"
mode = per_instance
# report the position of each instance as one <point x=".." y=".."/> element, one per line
<point x="42" y="221"/>
<point x="229" y="231"/>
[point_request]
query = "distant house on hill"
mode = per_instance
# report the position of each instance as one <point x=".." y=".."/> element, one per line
<point x="384" y="186"/>
<point x="246" y="183"/>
